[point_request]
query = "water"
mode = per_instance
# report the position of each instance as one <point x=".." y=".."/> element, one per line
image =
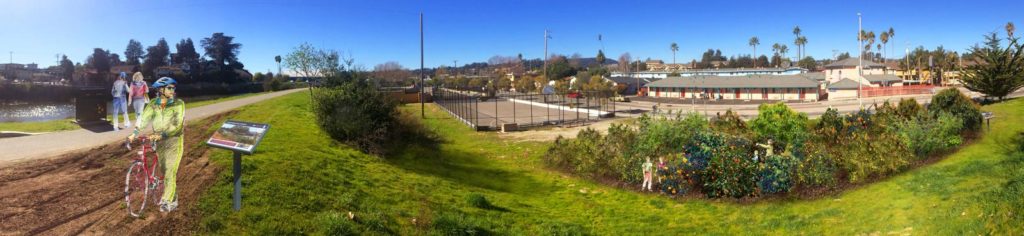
<point x="20" y="111"/>
<point x="36" y="111"/>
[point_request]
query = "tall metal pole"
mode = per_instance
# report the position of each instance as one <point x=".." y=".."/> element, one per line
<point x="860" y="59"/>
<point x="546" y="55"/>
<point x="423" y="113"/>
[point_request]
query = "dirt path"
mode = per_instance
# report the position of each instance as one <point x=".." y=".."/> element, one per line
<point x="551" y="134"/>
<point x="82" y="192"/>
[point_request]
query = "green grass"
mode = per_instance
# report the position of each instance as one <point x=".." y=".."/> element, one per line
<point x="302" y="182"/>
<point x="68" y="124"/>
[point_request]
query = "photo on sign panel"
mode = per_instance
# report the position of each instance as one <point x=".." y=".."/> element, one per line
<point x="237" y="136"/>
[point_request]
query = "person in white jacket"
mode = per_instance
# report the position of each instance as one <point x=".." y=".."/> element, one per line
<point x="121" y="92"/>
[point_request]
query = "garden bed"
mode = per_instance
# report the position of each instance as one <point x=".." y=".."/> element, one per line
<point x="778" y="154"/>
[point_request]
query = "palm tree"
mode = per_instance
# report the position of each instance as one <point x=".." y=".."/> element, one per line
<point x="796" y="32"/>
<point x="800" y="42"/>
<point x="674" y="47"/>
<point x="884" y="37"/>
<point x="278" y="60"/>
<point x="891" y="34"/>
<point x="868" y="38"/>
<point x="1009" y="29"/>
<point x="753" y="43"/>
<point x="783" y="49"/>
<point x="775" y="48"/>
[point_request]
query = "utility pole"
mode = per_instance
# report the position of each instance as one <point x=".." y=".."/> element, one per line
<point x="860" y="59"/>
<point x="423" y="113"/>
<point x="546" y="37"/>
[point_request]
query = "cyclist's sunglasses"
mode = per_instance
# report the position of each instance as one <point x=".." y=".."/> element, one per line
<point x="169" y="88"/>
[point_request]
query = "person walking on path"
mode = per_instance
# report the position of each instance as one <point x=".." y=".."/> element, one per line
<point x="167" y="116"/>
<point x="139" y="96"/>
<point x="647" y="168"/>
<point x="120" y="104"/>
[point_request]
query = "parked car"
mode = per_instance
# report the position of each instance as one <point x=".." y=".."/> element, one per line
<point x="619" y="98"/>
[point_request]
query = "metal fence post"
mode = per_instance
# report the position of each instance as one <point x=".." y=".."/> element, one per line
<point x="496" y="122"/>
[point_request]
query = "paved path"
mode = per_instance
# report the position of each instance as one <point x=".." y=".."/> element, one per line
<point x="57" y="143"/>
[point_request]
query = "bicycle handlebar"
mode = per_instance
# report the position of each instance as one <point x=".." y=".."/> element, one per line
<point x="142" y="139"/>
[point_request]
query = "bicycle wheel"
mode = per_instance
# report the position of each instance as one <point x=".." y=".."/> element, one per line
<point x="135" y="189"/>
<point x="156" y="188"/>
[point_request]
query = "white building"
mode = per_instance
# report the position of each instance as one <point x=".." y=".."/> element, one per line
<point x="713" y="72"/>
<point x="801" y="87"/>
<point x="875" y="74"/>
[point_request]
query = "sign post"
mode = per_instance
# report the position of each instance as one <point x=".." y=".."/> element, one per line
<point x="241" y="138"/>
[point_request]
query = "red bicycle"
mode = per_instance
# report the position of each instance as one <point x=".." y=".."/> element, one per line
<point x="144" y="180"/>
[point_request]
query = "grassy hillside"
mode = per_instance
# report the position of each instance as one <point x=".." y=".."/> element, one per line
<point x="300" y="181"/>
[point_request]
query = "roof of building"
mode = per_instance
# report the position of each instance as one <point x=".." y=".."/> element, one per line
<point x="852" y="62"/>
<point x="845" y="84"/>
<point x="751" y="81"/>
<point x="819" y="76"/>
<point x="882" y="78"/>
<point x="726" y="70"/>
<point x="629" y="80"/>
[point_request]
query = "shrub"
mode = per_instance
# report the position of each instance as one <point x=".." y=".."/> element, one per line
<point x="829" y="126"/>
<point x="657" y="136"/>
<point x="866" y="155"/>
<point x="776" y="121"/>
<point x="730" y="176"/>
<point x="676" y="176"/>
<point x="777" y="176"/>
<point x="816" y="170"/>
<point x="730" y="123"/>
<point x="273" y="84"/>
<point x="731" y="170"/>
<point x="952" y="101"/>
<point x="618" y="147"/>
<point x="908" y="108"/>
<point x="354" y="112"/>
<point x="924" y="135"/>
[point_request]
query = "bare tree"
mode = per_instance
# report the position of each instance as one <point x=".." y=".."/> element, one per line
<point x="624" y="60"/>
<point x="392" y="73"/>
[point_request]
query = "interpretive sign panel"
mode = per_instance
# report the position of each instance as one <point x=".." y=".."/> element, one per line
<point x="238" y="136"/>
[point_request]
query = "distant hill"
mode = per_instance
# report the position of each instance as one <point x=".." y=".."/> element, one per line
<point x="587" y="62"/>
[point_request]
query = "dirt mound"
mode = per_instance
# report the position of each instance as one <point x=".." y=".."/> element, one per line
<point x="83" y="193"/>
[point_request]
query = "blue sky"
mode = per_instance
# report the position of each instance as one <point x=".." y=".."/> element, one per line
<point x="374" y="32"/>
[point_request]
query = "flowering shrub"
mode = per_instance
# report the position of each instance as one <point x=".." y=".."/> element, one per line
<point x="731" y="170"/>
<point x="816" y="170"/>
<point x="777" y="174"/>
<point x="676" y="175"/>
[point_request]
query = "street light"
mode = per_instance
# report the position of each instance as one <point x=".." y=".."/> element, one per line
<point x="860" y="59"/>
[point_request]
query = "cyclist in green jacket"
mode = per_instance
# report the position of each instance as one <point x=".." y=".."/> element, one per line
<point x="167" y="114"/>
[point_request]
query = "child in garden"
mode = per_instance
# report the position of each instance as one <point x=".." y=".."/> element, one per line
<point x="647" y="168"/>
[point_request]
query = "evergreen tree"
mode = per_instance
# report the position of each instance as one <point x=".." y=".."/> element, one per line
<point x="133" y="53"/>
<point x="998" y="71"/>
